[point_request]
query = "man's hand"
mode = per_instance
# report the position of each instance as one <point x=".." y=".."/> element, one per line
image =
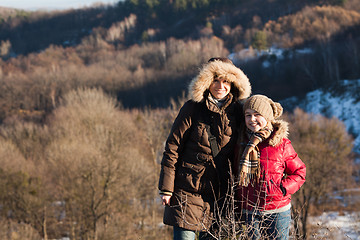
<point x="165" y="199"/>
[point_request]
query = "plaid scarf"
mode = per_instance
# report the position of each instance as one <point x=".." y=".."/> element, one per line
<point x="249" y="160"/>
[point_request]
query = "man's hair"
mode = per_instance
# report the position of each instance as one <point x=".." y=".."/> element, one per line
<point x="222" y="59"/>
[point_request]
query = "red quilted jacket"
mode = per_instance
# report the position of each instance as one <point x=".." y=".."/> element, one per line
<point x="282" y="173"/>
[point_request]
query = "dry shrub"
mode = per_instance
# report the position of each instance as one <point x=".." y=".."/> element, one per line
<point x="42" y="76"/>
<point x="117" y="32"/>
<point x="22" y="193"/>
<point x="11" y="230"/>
<point x="156" y="124"/>
<point x="352" y="5"/>
<point x="211" y="47"/>
<point x="312" y="23"/>
<point x="232" y="36"/>
<point x="97" y="168"/>
<point x="187" y="56"/>
<point x="48" y="75"/>
<point x="325" y="147"/>
<point x="11" y="158"/>
<point x="29" y="139"/>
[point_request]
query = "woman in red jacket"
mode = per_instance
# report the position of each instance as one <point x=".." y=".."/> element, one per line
<point x="269" y="170"/>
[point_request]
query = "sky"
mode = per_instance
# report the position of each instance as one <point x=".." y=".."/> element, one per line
<point x="51" y="4"/>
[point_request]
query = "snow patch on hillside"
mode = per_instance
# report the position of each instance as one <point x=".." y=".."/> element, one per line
<point x="333" y="225"/>
<point x="269" y="55"/>
<point x="344" y="106"/>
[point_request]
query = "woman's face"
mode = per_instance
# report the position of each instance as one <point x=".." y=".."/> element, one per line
<point x="254" y="120"/>
<point x="219" y="88"/>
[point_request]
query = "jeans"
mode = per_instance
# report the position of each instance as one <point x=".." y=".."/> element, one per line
<point x="184" y="234"/>
<point x="274" y="226"/>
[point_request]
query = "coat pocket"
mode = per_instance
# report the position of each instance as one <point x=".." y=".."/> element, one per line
<point x="273" y="191"/>
<point x="188" y="177"/>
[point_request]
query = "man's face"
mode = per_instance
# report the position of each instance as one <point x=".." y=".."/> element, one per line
<point x="220" y="88"/>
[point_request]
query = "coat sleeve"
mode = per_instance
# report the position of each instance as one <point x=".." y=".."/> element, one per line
<point x="173" y="147"/>
<point x="295" y="169"/>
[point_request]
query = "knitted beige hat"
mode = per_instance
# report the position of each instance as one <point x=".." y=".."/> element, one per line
<point x="265" y="106"/>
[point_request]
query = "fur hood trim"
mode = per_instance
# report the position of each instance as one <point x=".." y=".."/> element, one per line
<point x="281" y="131"/>
<point x="240" y="84"/>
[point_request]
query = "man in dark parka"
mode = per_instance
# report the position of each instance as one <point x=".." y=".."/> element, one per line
<point x="191" y="180"/>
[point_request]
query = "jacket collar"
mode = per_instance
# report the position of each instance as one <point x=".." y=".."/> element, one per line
<point x="281" y="130"/>
<point x="212" y="105"/>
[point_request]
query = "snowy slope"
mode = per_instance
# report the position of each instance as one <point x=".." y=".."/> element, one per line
<point x="344" y="106"/>
<point x="338" y="226"/>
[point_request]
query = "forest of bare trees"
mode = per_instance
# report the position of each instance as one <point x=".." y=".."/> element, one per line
<point x="88" y="173"/>
<point x="90" y="170"/>
<point x="84" y="119"/>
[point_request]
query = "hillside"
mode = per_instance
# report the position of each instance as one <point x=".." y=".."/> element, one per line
<point x="165" y="42"/>
<point x="342" y="102"/>
<point x="6" y="12"/>
<point x="88" y="97"/>
<point x="236" y="22"/>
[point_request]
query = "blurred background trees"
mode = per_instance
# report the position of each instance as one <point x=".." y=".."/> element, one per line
<point x="87" y="100"/>
<point x="326" y="149"/>
<point x="90" y="171"/>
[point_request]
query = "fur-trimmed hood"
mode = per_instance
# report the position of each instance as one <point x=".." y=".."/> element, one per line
<point x="240" y="84"/>
<point x="281" y="130"/>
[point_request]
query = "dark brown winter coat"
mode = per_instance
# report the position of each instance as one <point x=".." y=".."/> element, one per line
<point x="188" y="170"/>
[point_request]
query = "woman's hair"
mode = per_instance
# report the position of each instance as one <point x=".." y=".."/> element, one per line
<point x="222" y="59"/>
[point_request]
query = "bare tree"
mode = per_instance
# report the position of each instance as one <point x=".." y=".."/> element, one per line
<point x="97" y="158"/>
<point x="23" y="197"/>
<point x="325" y="147"/>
